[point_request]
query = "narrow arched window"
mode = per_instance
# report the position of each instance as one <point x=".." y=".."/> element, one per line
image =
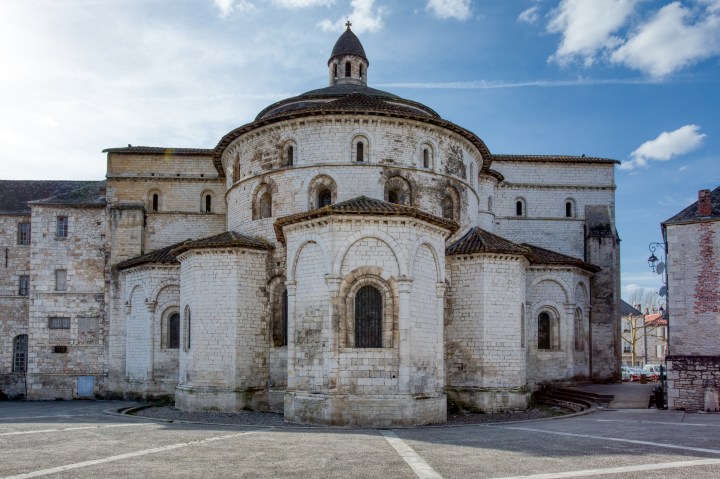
<point x="544" y="331"/>
<point x="265" y="205"/>
<point x="20" y="353"/>
<point x="324" y="198"/>
<point x="208" y="203"/>
<point x="568" y="209"/>
<point x="348" y="69"/>
<point x="361" y="71"/>
<point x="360" y="153"/>
<point x="290" y="155"/>
<point x="173" y="331"/>
<point x="284" y="328"/>
<point x="394" y="197"/>
<point x="518" y="208"/>
<point x="448" y="207"/>
<point x="155" y="202"/>
<point x="426" y="158"/>
<point x="335" y="70"/>
<point x="368" y="318"/>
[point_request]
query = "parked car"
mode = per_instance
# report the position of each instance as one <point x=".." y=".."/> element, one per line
<point x="654" y="371"/>
<point x="626" y="373"/>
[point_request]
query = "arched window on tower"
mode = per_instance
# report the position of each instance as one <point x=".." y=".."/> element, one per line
<point x="335" y="70"/>
<point x="426" y="158"/>
<point x="394" y="197"/>
<point x="155" y="202"/>
<point x="173" y="331"/>
<point x="569" y="208"/>
<point x="520" y="207"/>
<point x="208" y="203"/>
<point x="348" y="69"/>
<point x="361" y="71"/>
<point x="265" y="205"/>
<point x="360" y="153"/>
<point x="368" y="318"/>
<point x="324" y="198"/>
<point x="290" y="156"/>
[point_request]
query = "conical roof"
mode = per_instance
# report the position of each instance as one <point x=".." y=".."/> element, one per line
<point x="348" y="44"/>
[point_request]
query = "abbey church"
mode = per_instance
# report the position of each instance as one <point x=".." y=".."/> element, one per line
<point x="347" y="258"/>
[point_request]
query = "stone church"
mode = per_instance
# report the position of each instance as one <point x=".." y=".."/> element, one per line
<point x="347" y="258"/>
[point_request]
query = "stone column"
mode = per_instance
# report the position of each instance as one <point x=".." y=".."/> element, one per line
<point x="440" y="352"/>
<point x="333" y="329"/>
<point x="291" y="289"/>
<point x="151" y="306"/>
<point x="404" y="286"/>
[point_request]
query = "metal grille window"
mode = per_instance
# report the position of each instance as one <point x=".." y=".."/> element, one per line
<point x="23" y="233"/>
<point x="174" y="331"/>
<point x="62" y="225"/>
<point x="59" y="323"/>
<point x="368" y="318"/>
<point x="20" y="349"/>
<point x="60" y="349"/>
<point x="544" y="332"/>
<point x="24" y="285"/>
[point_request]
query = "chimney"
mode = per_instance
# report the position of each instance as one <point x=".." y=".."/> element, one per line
<point x="704" y="203"/>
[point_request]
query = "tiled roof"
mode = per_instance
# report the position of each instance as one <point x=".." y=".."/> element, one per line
<point x="359" y="102"/>
<point x="362" y="205"/>
<point x="553" y="159"/>
<point x="87" y="194"/>
<point x="15" y="195"/>
<point x="348" y="44"/>
<point x="229" y="239"/>
<point x="159" y="256"/>
<point x="544" y="256"/>
<point x="627" y="310"/>
<point x="691" y="212"/>
<point x="655" y="319"/>
<point x="158" y="150"/>
<point x="477" y="240"/>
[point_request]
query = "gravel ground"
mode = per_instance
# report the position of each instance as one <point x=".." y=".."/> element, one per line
<point x="276" y="420"/>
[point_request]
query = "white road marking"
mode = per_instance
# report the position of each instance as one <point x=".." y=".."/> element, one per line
<point x="619" y="470"/>
<point x="44" y="417"/>
<point x="120" y="457"/>
<point x="421" y="468"/>
<point x="660" y="422"/>
<point x="78" y="428"/>
<point x="615" y="439"/>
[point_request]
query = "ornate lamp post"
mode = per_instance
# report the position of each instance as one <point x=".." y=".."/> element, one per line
<point x="660" y="267"/>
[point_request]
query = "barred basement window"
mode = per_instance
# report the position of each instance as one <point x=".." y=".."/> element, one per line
<point x="24" y="285"/>
<point x="20" y="349"/>
<point x="60" y="349"/>
<point x="368" y="318"/>
<point x="62" y="224"/>
<point x="58" y="323"/>
<point x="24" y="233"/>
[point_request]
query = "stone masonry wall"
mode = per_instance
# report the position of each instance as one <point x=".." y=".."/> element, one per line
<point x="694" y="383"/>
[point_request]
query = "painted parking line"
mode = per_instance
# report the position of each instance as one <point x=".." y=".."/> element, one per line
<point x="46" y="417"/>
<point x="659" y="422"/>
<point x="421" y="468"/>
<point x="78" y="428"/>
<point x="619" y="470"/>
<point x="616" y="439"/>
<point x="120" y="457"/>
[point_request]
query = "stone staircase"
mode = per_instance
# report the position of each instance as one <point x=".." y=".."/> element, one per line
<point x="572" y="399"/>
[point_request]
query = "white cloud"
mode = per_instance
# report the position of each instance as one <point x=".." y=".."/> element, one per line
<point x="457" y="9"/>
<point x="667" y="145"/>
<point x="531" y="15"/>
<point x="588" y="27"/>
<point x="226" y="7"/>
<point x="672" y="39"/>
<point x="365" y="17"/>
<point x="302" y="3"/>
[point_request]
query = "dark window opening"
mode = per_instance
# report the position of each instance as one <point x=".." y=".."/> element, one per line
<point x="174" y="331"/>
<point x="361" y="71"/>
<point x="58" y="323"/>
<point x="324" y="198"/>
<point x="290" y="155"/>
<point x="426" y="158"/>
<point x="24" y="285"/>
<point x="368" y="318"/>
<point x="518" y="208"/>
<point x="347" y="69"/>
<point x="568" y="210"/>
<point x="208" y="203"/>
<point x="60" y="349"/>
<point x="544" y="332"/>
<point x="62" y="225"/>
<point x="23" y="233"/>
<point x="284" y="328"/>
<point x="335" y="70"/>
<point x="394" y="197"/>
<point x="360" y="156"/>
<point x="155" y="202"/>
<point x="20" y="350"/>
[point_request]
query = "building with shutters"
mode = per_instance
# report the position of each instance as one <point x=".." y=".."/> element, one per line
<point x="348" y="258"/>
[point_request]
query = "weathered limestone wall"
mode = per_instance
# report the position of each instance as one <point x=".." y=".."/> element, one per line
<point x="83" y="255"/>
<point x="485" y="333"/>
<point x="559" y="292"/>
<point x="165" y="229"/>
<point x="14" y="308"/>
<point x="224" y="332"/>
<point x="694" y="383"/>
<point x="329" y="380"/>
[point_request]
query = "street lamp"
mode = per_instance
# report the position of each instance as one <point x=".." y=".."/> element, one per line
<point x="660" y="267"/>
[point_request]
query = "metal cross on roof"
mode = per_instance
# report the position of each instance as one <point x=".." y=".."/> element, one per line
<point x="348" y="24"/>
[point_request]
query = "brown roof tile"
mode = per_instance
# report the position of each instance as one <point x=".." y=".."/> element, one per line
<point x="159" y="256"/>
<point x="544" y="256"/>
<point x="554" y="159"/>
<point x="362" y="205"/>
<point x="229" y="239"/>
<point x="15" y="195"/>
<point x="159" y="150"/>
<point x="477" y="240"/>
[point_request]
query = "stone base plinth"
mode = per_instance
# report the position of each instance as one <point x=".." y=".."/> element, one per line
<point x="489" y="400"/>
<point x="371" y="411"/>
<point x="212" y="398"/>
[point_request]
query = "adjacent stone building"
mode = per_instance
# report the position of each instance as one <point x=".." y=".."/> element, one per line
<point x="349" y="257"/>
<point x="693" y="264"/>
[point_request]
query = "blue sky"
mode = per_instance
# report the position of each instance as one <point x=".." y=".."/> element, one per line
<point x="634" y="80"/>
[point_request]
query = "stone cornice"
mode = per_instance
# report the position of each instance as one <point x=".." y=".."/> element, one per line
<point x="554" y="186"/>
